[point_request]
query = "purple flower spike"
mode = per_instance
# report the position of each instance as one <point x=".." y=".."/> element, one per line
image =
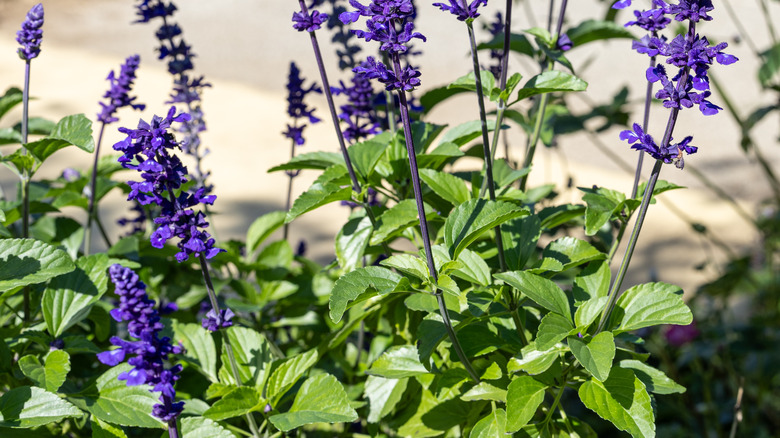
<point x="150" y="352"/>
<point x="213" y="322"/>
<point x="462" y="11"/>
<point x="29" y="37"/>
<point x="308" y="22"/>
<point x="119" y="94"/>
<point x="296" y="107"/>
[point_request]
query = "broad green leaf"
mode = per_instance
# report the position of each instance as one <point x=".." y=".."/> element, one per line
<point x="594" y="30"/>
<point x="124" y="405"/>
<point x="352" y="241"/>
<point x="422" y="420"/>
<point x="592" y="282"/>
<point x="21" y="162"/>
<point x="767" y="73"/>
<point x="511" y="83"/>
<point x="660" y="187"/>
<point x="571" y="252"/>
<point x="49" y="376"/>
<point x="396" y="219"/>
<point x="552" y="329"/>
<point x="288" y="373"/>
<point x="542" y="291"/>
<point x="654" y="379"/>
<point x="316" y="196"/>
<point x="594" y="353"/>
<point x="101" y="429"/>
<point x="73" y="130"/>
<point x="491" y="426"/>
<point x="277" y="254"/>
<point x="598" y="212"/>
<point x="622" y="400"/>
<point x="551" y="81"/>
<point x="355" y="283"/>
<point x="311" y="160"/>
<point x="398" y="362"/>
<point x="383" y="395"/>
<point x="26" y="407"/>
<point x="474" y="269"/>
<point x="69" y="298"/>
<point x="439" y="156"/>
<point x="28" y="261"/>
<point x="469" y="220"/>
<point x="11" y="98"/>
<point x="651" y="304"/>
<point x="10" y="136"/>
<point x="534" y="361"/>
<point x="334" y="175"/>
<point x="200" y="427"/>
<point x="239" y="401"/>
<point x="523" y="398"/>
<point x="488" y="81"/>
<point x="321" y="399"/>
<point x="433" y="97"/>
<point x="263" y="227"/>
<point x="253" y="355"/>
<point x="364" y="155"/>
<point x="465" y="132"/>
<point x="520" y="237"/>
<point x="587" y="313"/>
<point x="447" y="284"/>
<point x="504" y="175"/>
<point x="485" y="391"/>
<point x="478" y="340"/>
<point x="517" y="43"/>
<point x="448" y="186"/>
<point x="408" y="264"/>
<point x="199" y="348"/>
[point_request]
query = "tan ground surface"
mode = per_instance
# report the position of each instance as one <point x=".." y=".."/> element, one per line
<point x="244" y="48"/>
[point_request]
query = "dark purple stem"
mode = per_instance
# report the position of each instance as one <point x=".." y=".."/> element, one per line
<point x="173" y="426"/>
<point x="91" y="211"/>
<point x="26" y="179"/>
<point x="645" y="123"/>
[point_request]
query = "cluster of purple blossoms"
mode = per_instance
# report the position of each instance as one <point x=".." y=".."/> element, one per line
<point x="308" y="22"/>
<point x="671" y="153"/>
<point x="462" y="11"/>
<point x="29" y="37"/>
<point x="148" y="150"/>
<point x="296" y="107"/>
<point x="358" y="113"/>
<point x="150" y="352"/>
<point x="495" y="28"/>
<point x="118" y="94"/>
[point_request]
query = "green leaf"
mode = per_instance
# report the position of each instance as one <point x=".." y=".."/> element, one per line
<point x="517" y="43"/>
<point x="622" y="400"/>
<point x="520" y="237"/>
<point x="10" y="136"/>
<point x="465" y="132"/>
<point x="534" y="361"/>
<point x="592" y="282"/>
<point x="263" y="227"/>
<point x="352" y="241"/>
<point x="598" y="212"/>
<point x="594" y="30"/>
<point x="504" y="175"/>
<point x="468" y="82"/>
<point x="311" y="160"/>
<point x="767" y="72"/>
<point x="352" y="285"/>
<point x="651" y="304"/>
<point x="472" y="218"/>
<point x="288" y="373"/>
<point x="239" y="401"/>
<point x="552" y="329"/>
<point x="199" y="427"/>
<point x="364" y="155"/>
<point x="26" y="407"/>
<point x="595" y="354"/>
<point x="474" y="269"/>
<point x="551" y="81"/>
<point x="433" y="97"/>
<point x="321" y="399"/>
<point x="408" y="264"/>
<point x="73" y="130"/>
<point x="69" y="298"/>
<point x="523" y="398"/>
<point x="199" y="348"/>
<point x="491" y="426"/>
<point x="398" y="362"/>
<point x="253" y="355"/>
<point x="654" y="379"/>
<point x="439" y="156"/>
<point x="124" y="405"/>
<point x="28" y="261"/>
<point x="101" y="429"/>
<point x="316" y="196"/>
<point x="571" y="252"/>
<point x="587" y="313"/>
<point x="511" y="84"/>
<point x="448" y="186"/>
<point x="11" y="98"/>
<point x="543" y="36"/>
<point x="542" y="291"/>
<point x="383" y="395"/>
<point x="485" y="391"/>
<point x="396" y="219"/>
<point x="49" y="376"/>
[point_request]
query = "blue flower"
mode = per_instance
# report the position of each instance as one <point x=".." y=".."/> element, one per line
<point x="652" y="20"/>
<point x="358" y="114"/>
<point x="29" y="37"/>
<point x="309" y="22"/>
<point x="296" y="107"/>
<point x="118" y="94"/>
<point x="462" y="11"/>
<point x="150" y="352"/>
<point x="672" y="153"/>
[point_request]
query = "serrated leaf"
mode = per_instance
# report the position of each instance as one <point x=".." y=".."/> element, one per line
<point x="365" y="154"/>
<point x="253" y="355"/>
<point x="651" y="304"/>
<point x="68" y="298"/>
<point x="239" y="401"/>
<point x="595" y="354"/>
<point x="622" y="400"/>
<point x="472" y="218"/>
<point x="26" y="407"/>
<point x="474" y="269"/>
<point x="28" y="261"/>
<point x="398" y="362"/>
<point x="485" y="391"/>
<point x="552" y="329"/>
<point x="523" y="398"/>
<point x="49" y="376"/>
<point x="288" y="373"/>
<point x="491" y="426"/>
<point x="263" y="227"/>
<point x="321" y="399"/>
<point x="589" y="311"/>
<point x="592" y="282"/>
<point x="594" y="30"/>
<point x="533" y="361"/>
<point x="540" y="290"/>
<point x="101" y="429"/>
<point x="571" y="252"/>
<point x="396" y="219"/>
<point x="200" y="427"/>
<point x="520" y="237"/>
<point x="549" y="82"/>
<point x="199" y="348"/>
<point x="311" y="160"/>
<point x="448" y="186"/>
<point x="355" y="283"/>
<point x="352" y="241"/>
<point x="383" y="395"/>
<point x="316" y="196"/>
<point x="408" y="264"/>
<point x="124" y="405"/>
<point x="654" y="379"/>
<point x="73" y="130"/>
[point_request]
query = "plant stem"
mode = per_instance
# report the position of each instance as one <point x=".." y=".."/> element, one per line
<point x="292" y="175"/>
<point x="173" y="427"/>
<point x="91" y="208"/>
<point x="645" y="123"/>
<point x="26" y="177"/>
<point x="403" y="107"/>
<point x="555" y="402"/>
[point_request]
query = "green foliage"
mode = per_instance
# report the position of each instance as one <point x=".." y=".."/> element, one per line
<point x="321" y="399"/>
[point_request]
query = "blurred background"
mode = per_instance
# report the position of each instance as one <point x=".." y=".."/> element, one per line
<point x="717" y="239"/>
